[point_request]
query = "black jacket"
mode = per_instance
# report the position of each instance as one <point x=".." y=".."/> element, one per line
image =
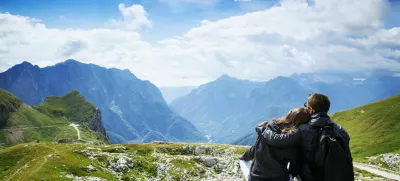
<point x="270" y="163"/>
<point x="303" y="137"/>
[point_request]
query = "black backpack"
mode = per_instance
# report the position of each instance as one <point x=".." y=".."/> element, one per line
<point x="333" y="160"/>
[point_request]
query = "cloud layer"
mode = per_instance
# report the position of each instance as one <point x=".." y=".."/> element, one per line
<point x="292" y="37"/>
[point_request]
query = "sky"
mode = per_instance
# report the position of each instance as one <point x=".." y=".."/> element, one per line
<point x="191" y="42"/>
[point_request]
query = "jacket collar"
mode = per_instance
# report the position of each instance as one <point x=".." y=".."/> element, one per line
<point x="320" y="119"/>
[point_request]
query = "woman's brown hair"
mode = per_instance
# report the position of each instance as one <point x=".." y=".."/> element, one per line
<point x="292" y="119"/>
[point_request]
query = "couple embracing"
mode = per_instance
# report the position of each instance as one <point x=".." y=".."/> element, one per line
<point x="305" y="145"/>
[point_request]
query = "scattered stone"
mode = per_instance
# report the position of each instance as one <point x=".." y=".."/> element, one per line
<point x="52" y="156"/>
<point x="122" y="164"/>
<point x="90" y="168"/>
<point x="90" y="178"/>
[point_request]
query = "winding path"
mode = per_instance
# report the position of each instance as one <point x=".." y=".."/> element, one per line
<point x="31" y="127"/>
<point x="77" y="130"/>
<point x="376" y="170"/>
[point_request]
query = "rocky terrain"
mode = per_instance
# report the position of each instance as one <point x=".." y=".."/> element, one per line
<point x="388" y="160"/>
<point x="155" y="161"/>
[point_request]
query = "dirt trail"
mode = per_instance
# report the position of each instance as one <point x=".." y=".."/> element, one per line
<point x="77" y="130"/>
<point x="32" y="127"/>
<point x="376" y="171"/>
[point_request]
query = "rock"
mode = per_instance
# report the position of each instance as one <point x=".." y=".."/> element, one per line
<point x="122" y="164"/>
<point x="90" y="168"/>
<point x="200" y="150"/>
<point x="63" y="141"/>
<point x="52" y="156"/>
<point x="208" y="161"/>
<point x="96" y="124"/>
<point x="230" y="151"/>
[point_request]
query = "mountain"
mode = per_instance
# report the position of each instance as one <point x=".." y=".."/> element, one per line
<point x="50" y="121"/>
<point x="347" y="91"/>
<point x="171" y="93"/>
<point x="132" y="110"/>
<point x="227" y="120"/>
<point x="373" y="127"/>
<point x="214" y="107"/>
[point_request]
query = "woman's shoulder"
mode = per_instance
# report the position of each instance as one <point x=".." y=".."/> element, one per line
<point x="273" y="127"/>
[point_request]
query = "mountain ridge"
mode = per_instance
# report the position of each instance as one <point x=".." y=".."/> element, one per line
<point x="125" y="120"/>
<point x="273" y="99"/>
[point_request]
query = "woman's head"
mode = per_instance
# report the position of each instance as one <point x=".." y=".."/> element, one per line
<point x="293" y="118"/>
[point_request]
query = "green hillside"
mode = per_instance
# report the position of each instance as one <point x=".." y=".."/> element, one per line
<point x="374" y="128"/>
<point x="48" y="122"/>
<point x="8" y="104"/>
<point x="156" y="161"/>
<point x="72" y="106"/>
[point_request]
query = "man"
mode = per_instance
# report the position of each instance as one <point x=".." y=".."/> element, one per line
<point x="306" y="136"/>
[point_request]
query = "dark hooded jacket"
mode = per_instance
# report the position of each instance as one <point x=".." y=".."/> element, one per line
<point x="270" y="163"/>
<point x="304" y="137"/>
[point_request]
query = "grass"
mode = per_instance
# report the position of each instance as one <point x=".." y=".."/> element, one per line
<point x="31" y="161"/>
<point x="8" y="104"/>
<point x="72" y="106"/>
<point x="373" y="128"/>
<point x="49" y="121"/>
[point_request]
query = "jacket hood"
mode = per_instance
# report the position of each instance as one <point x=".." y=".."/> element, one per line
<point x="320" y="119"/>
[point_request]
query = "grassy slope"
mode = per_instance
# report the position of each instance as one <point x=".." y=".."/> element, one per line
<point x="374" y="128"/>
<point x="50" y="121"/>
<point x="72" y="106"/>
<point x="8" y="104"/>
<point x="9" y="100"/>
<point x="31" y="161"/>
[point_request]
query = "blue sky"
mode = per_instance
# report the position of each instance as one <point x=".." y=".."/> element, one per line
<point x="191" y="42"/>
<point x="173" y="18"/>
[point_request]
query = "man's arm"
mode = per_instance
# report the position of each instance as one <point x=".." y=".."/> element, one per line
<point x="282" y="140"/>
<point x="342" y="132"/>
<point x="260" y="130"/>
<point x="249" y="154"/>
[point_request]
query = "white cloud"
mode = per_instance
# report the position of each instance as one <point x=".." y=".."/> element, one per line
<point x="71" y="47"/>
<point x="197" y="2"/>
<point x="135" y="17"/>
<point x="294" y="37"/>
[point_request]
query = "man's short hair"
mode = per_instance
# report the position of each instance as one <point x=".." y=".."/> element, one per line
<point x="319" y="102"/>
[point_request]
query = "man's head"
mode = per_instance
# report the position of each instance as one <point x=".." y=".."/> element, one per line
<point x="318" y="103"/>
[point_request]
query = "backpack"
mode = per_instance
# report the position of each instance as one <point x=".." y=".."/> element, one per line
<point x="333" y="160"/>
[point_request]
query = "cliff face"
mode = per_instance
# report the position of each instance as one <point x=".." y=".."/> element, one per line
<point x="96" y="124"/>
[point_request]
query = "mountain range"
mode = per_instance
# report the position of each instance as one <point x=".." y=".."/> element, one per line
<point x="133" y="110"/>
<point x="227" y="109"/>
<point x="171" y="93"/>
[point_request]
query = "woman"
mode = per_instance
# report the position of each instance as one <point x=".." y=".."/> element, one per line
<point x="270" y="163"/>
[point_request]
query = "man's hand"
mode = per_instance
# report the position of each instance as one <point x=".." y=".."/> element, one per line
<point x="265" y="123"/>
